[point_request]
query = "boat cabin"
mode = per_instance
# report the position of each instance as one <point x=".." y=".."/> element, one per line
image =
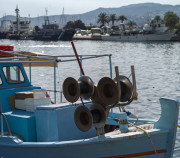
<point x="13" y="79"/>
<point x="29" y="112"/>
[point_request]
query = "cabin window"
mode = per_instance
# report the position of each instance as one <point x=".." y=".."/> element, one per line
<point x="0" y="80"/>
<point x="13" y="74"/>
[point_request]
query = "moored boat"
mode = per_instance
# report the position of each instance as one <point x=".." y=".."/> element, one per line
<point x="165" y="36"/>
<point x="36" y="128"/>
<point x="19" y="28"/>
<point x="151" y="32"/>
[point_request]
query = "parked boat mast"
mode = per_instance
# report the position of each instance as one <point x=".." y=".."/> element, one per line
<point x="17" y="19"/>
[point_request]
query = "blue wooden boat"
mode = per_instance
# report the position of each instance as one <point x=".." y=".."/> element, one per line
<point x="81" y="128"/>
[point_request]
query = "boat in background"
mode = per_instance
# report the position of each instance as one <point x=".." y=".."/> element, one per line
<point x="67" y="35"/>
<point x="85" y="125"/>
<point x="3" y="29"/>
<point x="154" y="31"/>
<point x="49" y="31"/>
<point x="19" y="28"/>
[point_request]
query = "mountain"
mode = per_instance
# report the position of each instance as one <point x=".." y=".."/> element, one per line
<point x="140" y="13"/>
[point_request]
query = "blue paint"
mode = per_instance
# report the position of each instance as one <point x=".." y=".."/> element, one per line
<point x="169" y="121"/>
<point x="56" y="123"/>
<point x="22" y="123"/>
<point x="6" y="84"/>
<point x="51" y="130"/>
<point x="123" y="117"/>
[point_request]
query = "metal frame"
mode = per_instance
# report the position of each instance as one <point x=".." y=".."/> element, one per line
<point x="19" y="58"/>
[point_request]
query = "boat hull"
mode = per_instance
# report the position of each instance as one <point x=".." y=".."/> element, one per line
<point x="110" y="145"/>
<point x="165" y="36"/>
<point x="114" y="145"/>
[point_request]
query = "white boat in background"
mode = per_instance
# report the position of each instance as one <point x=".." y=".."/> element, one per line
<point x="151" y="32"/>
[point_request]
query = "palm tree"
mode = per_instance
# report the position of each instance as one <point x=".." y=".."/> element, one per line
<point x="102" y="19"/>
<point x="157" y="18"/>
<point x="122" y="18"/>
<point x="112" y="18"/>
<point x="131" y="24"/>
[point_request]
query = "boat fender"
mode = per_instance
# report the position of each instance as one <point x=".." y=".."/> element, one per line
<point x="47" y="95"/>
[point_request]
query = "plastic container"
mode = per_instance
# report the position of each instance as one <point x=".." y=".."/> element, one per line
<point x="6" y="48"/>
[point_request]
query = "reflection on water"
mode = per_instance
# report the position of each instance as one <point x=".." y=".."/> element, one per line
<point x="157" y="67"/>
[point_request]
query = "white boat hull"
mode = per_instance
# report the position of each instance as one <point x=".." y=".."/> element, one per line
<point x="165" y="36"/>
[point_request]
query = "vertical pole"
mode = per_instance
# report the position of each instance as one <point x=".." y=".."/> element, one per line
<point x="61" y="96"/>
<point x="110" y="66"/>
<point x="118" y="82"/>
<point x="54" y="82"/>
<point x="2" y="126"/>
<point x="81" y="65"/>
<point x="2" y="129"/>
<point x="134" y="83"/>
<point x="77" y="58"/>
<point x="30" y="70"/>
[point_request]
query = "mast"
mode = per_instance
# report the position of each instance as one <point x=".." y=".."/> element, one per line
<point x="46" y="18"/>
<point x="17" y="19"/>
<point x="62" y="18"/>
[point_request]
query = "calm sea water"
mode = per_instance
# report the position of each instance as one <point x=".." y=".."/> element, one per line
<point x="157" y="67"/>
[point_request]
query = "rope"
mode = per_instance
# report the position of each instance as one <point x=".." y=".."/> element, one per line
<point x="147" y="136"/>
<point x="146" y="133"/>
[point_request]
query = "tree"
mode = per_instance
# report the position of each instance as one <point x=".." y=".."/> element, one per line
<point x="171" y="19"/>
<point x="178" y="27"/>
<point x="79" y="24"/>
<point x="112" y="18"/>
<point x="69" y="25"/>
<point x="75" y="24"/>
<point x="131" y="24"/>
<point x="122" y="18"/>
<point x="157" y="18"/>
<point x="102" y="19"/>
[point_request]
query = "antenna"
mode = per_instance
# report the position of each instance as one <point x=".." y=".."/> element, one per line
<point x="46" y="17"/>
<point x="62" y="18"/>
<point x="38" y="19"/>
<point x="46" y="11"/>
<point x="17" y="18"/>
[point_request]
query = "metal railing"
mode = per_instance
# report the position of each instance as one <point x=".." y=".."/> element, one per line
<point x="20" y="58"/>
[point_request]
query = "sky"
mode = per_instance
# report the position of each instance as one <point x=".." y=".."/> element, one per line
<point x="36" y="8"/>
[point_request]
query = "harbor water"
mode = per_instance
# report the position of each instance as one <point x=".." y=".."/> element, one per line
<point x="157" y="68"/>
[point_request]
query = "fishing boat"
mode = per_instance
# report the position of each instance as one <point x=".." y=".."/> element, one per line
<point x="84" y="126"/>
<point x="20" y="28"/>
<point x="154" y="31"/>
<point x="49" y="30"/>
